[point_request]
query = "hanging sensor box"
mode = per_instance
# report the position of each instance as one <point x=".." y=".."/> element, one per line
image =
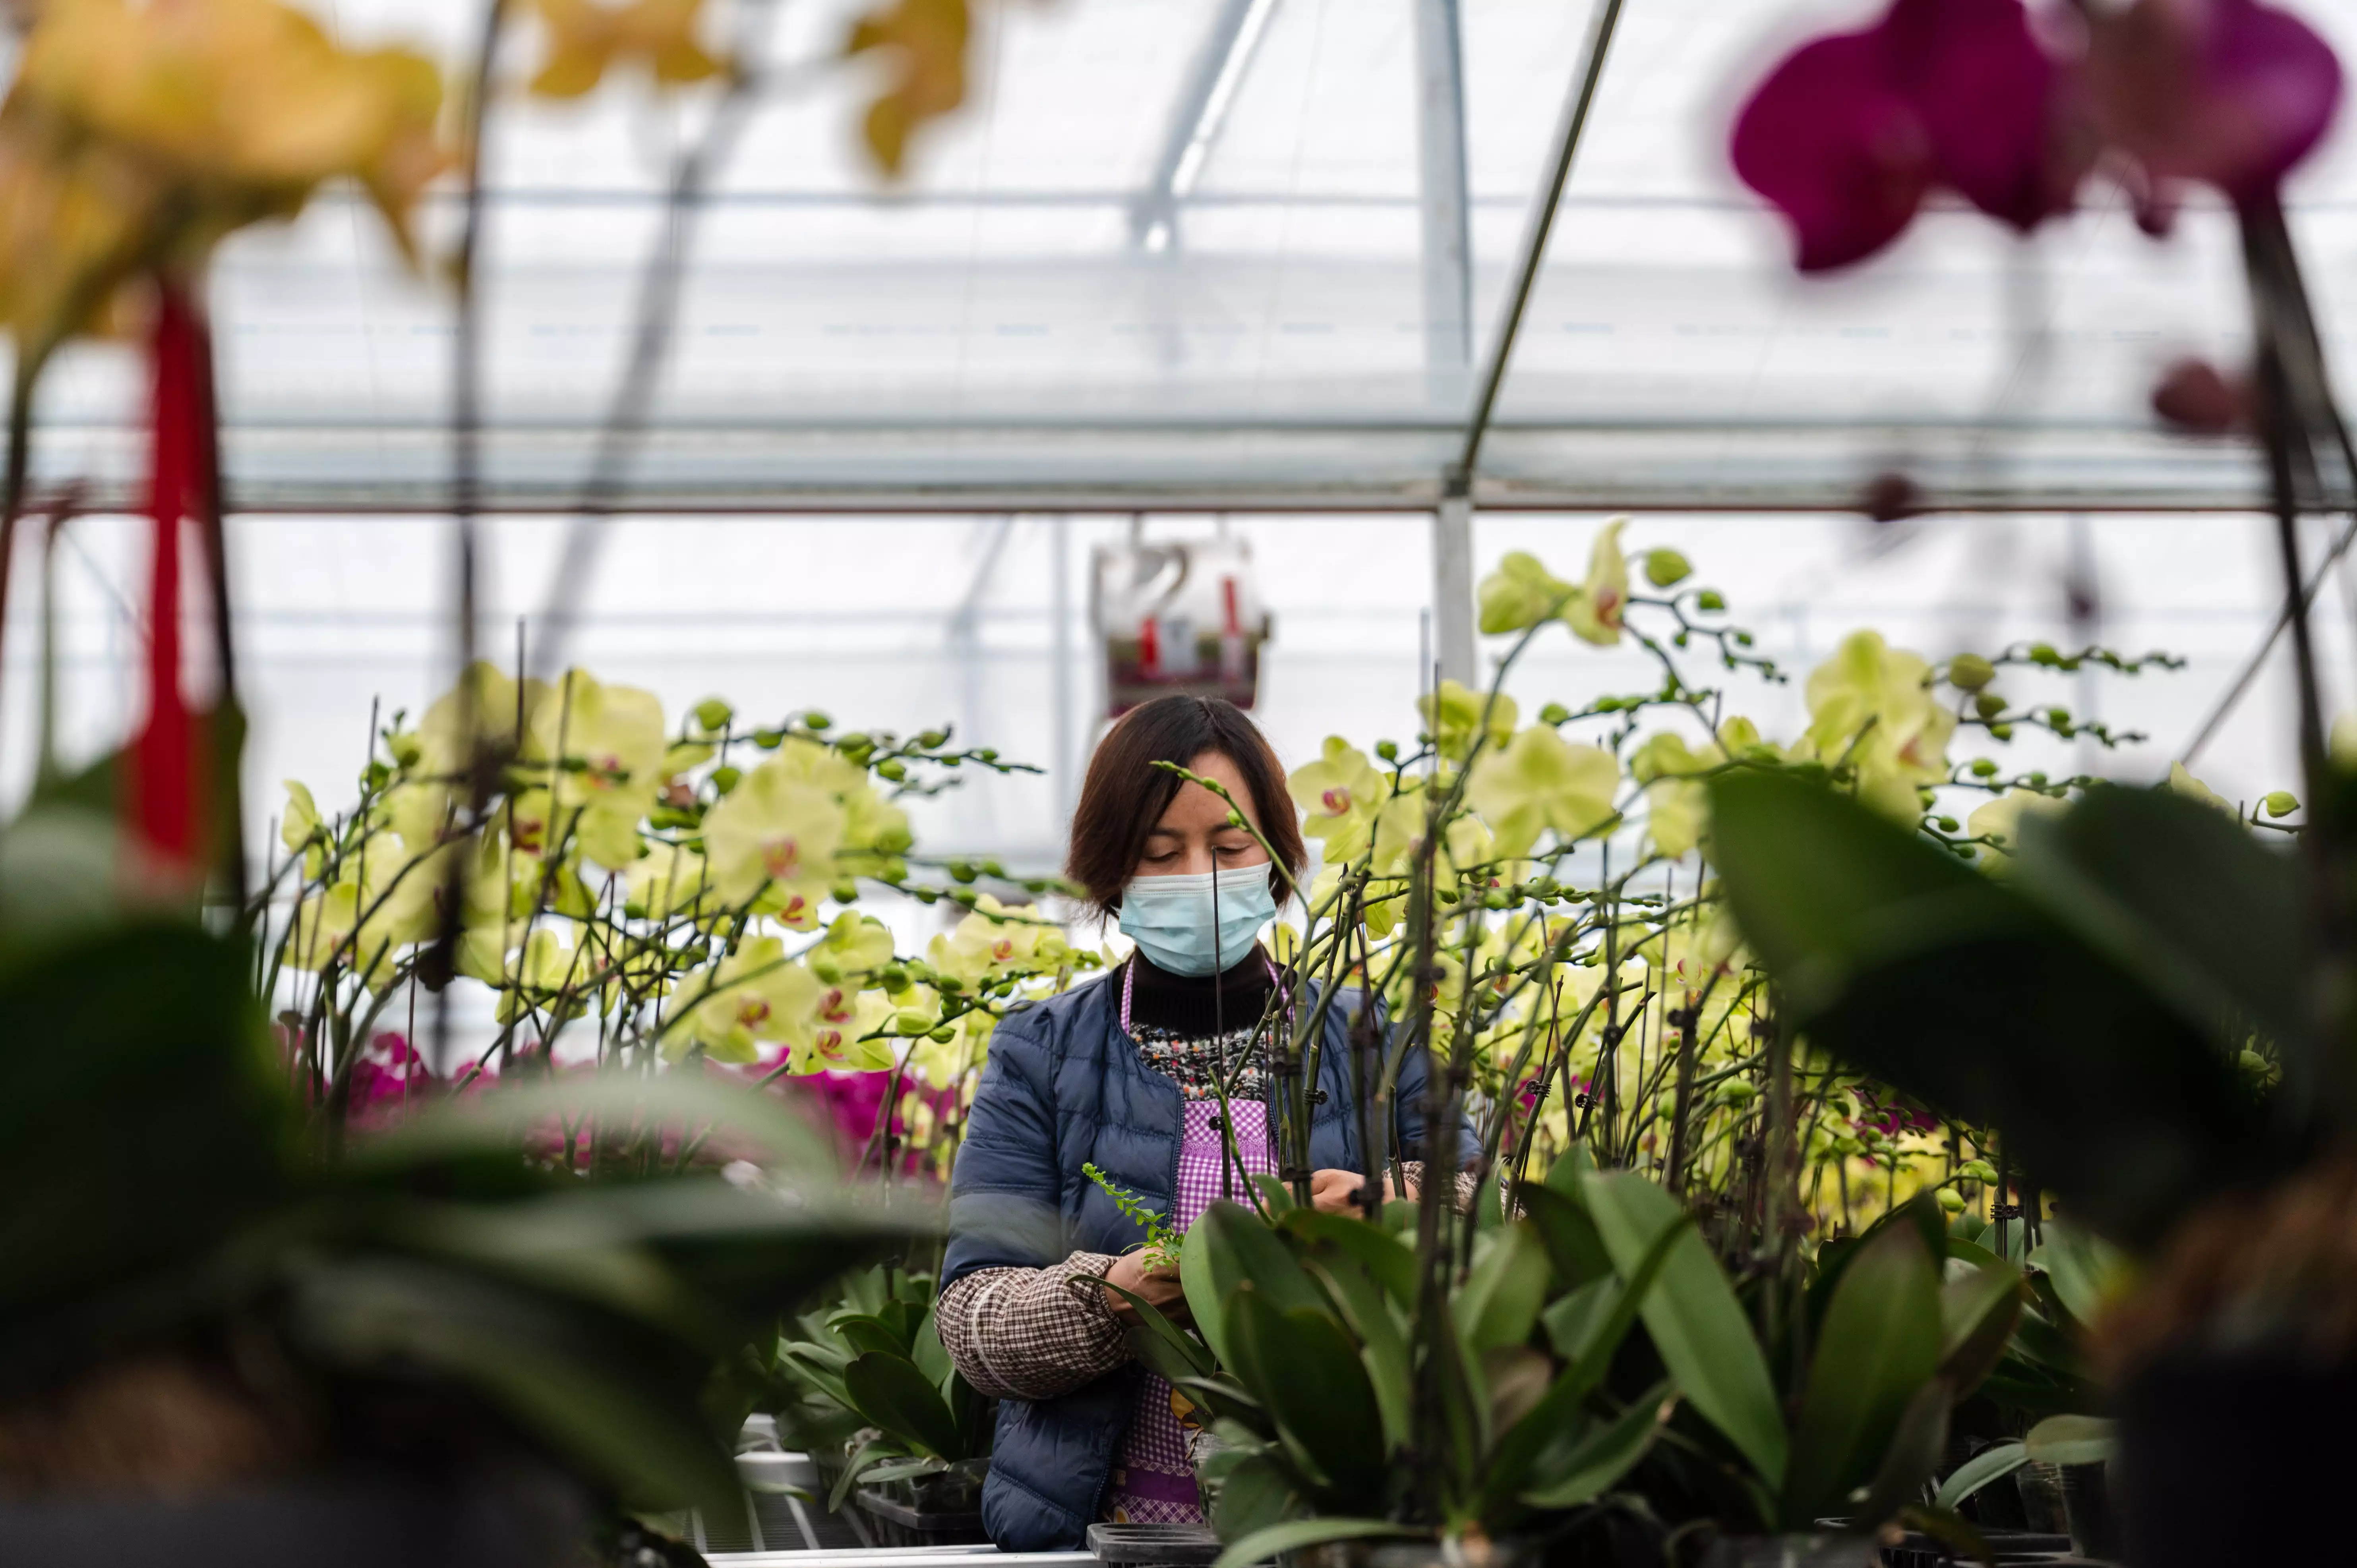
<point x="1179" y="614"/>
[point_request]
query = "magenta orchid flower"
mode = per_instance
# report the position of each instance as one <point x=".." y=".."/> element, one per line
<point x="1852" y="131"/>
<point x="2225" y="92"/>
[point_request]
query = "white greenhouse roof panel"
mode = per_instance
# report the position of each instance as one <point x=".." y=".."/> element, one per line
<point x="1161" y="261"/>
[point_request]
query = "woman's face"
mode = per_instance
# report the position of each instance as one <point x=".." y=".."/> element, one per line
<point x="1194" y="836"/>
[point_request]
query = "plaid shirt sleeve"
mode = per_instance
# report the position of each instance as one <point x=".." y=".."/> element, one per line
<point x="1468" y="1183"/>
<point x="1032" y="1333"/>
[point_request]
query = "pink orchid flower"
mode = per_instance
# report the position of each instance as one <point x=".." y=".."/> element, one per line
<point x="1852" y="131"/>
<point x="2223" y="92"/>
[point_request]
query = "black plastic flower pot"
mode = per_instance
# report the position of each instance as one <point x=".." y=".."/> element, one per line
<point x="1830" y="1550"/>
<point x="2234" y="1459"/>
<point x="1378" y="1552"/>
<point x="892" y="1522"/>
<point x="352" y="1522"/>
<point x="2006" y="1548"/>
<point x="1152" y="1545"/>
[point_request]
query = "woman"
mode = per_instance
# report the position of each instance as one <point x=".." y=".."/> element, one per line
<point x="1126" y="1074"/>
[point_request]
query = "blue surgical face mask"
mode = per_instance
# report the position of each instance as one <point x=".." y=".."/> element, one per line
<point x="1170" y="918"/>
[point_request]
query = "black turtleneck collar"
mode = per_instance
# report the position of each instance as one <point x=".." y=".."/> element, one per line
<point x="1184" y="1006"/>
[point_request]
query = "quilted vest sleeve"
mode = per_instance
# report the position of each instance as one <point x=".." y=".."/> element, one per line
<point x="1004" y="1193"/>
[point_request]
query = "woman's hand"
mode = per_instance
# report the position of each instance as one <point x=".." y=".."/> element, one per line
<point x="1159" y="1286"/>
<point x="1337" y="1192"/>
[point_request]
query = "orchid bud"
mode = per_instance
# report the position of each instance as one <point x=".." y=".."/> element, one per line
<point x="1666" y="569"/>
<point x="2281" y="803"/>
<point x="1970" y="671"/>
<point x="711" y="715"/>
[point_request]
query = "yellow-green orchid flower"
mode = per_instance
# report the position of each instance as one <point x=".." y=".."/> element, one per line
<point x="1520" y="594"/>
<point x="1540" y="781"/>
<point x="776" y="834"/>
<point x="1598" y="606"/>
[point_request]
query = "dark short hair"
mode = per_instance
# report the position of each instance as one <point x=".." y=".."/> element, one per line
<point x="1125" y="794"/>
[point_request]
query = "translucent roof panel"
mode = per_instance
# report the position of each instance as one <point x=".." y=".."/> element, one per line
<point x="1175" y="253"/>
<point x="982" y="622"/>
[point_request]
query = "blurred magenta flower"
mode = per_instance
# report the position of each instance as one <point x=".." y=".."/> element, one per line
<point x="387" y="1077"/>
<point x="2227" y="92"/>
<point x="1853" y="130"/>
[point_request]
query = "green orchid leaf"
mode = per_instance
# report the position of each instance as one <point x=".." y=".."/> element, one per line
<point x="1535" y="1444"/>
<point x="932" y="1358"/>
<point x="1585" y="1470"/>
<point x="902" y="1470"/>
<point x="2103" y="1092"/>
<point x="1227" y="1401"/>
<point x="1571" y="1319"/>
<point x="621" y="1405"/>
<point x="1223" y="1250"/>
<point x="1304" y="1371"/>
<point x="1383" y="1340"/>
<point x="1203" y="1302"/>
<point x="1577" y="1255"/>
<point x="1909" y="1459"/>
<point x="1274" y="1194"/>
<point x="1386" y="1257"/>
<point x="2183" y="898"/>
<point x="1881" y="1343"/>
<point x="1160" y="1343"/>
<point x="1991" y="1464"/>
<point x="2072" y="1440"/>
<point x="868" y="1336"/>
<point x="1500" y="1298"/>
<point x="871" y="1453"/>
<point x="1569" y="1171"/>
<point x="1696" y="1325"/>
<point x="501" y="1119"/>
<point x="2086" y="1270"/>
<point x="893" y="1395"/>
<point x="1262" y="1546"/>
<point x="1978" y="1310"/>
<point x="1255" y="1496"/>
<point x="161" y="1128"/>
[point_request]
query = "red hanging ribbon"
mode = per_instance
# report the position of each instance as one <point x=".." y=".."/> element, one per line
<point x="165" y="782"/>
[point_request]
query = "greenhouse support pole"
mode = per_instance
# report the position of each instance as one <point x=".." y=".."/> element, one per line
<point x="1441" y="199"/>
<point x="1452" y="589"/>
<point x="1448" y="313"/>
<point x="1452" y="537"/>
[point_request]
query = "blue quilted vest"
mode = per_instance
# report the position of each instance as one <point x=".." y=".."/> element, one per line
<point x="1065" y="1087"/>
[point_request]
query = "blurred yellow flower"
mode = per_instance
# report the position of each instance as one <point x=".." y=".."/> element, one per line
<point x="2193" y="788"/>
<point x="1871" y="705"/>
<point x="137" y="136"/>
<point x="1454" y="715"/>
<point x="585" y="39"/>
<point x="604" y="752"/>
<point x="925" y="42"/>
<point x="1520" y="594"/>
<point x="2001" y="819"/>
